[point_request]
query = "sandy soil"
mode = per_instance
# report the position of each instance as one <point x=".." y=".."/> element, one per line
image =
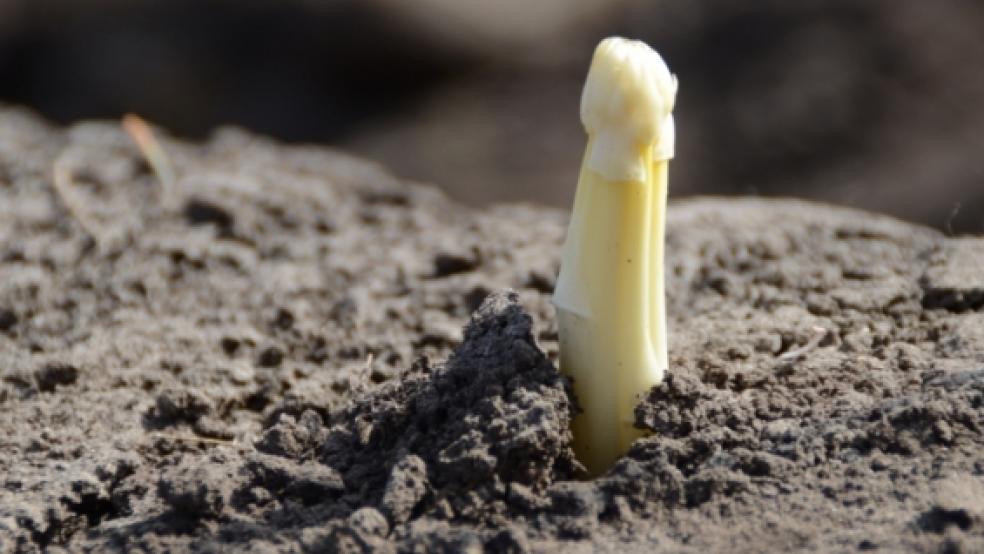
<point x="291" y="350"/>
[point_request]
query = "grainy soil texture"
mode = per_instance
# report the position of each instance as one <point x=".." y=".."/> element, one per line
<point x="287" y="349"/>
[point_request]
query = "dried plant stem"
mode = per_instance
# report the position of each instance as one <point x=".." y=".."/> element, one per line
<point x="142" y="134"/>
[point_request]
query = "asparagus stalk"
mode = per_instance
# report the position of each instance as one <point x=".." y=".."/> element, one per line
<point x="609" y="295"/>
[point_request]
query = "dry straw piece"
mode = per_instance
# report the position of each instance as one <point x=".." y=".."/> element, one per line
<point x="152" y="151"/>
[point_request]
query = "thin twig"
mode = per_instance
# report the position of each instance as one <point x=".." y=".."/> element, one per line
<point x="141" y="133"/>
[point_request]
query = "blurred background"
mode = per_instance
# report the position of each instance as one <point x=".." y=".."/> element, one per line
<point x="877" y="104"/>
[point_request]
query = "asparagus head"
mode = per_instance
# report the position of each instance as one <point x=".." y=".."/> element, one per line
<point x="609" y="295"/>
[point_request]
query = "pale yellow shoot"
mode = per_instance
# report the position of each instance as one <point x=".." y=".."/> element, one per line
<point x="609" y="295"/>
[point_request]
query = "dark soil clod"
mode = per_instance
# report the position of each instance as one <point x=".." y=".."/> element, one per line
<point x="54" y="375"/>
<point x="8" y="319"/>
<point x="201" y="212"/>
<point x="271" y="356"/>
<point x="446" y="263"/>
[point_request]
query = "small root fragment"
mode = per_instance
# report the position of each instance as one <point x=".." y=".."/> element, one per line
<point x="142" y="134"/>
<point x="194" y="438"/>
<point x="818" y="335"/>
<point x="63" y="181"/>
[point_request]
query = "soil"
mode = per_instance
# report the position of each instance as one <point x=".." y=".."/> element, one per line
<point x="288" y="349"/>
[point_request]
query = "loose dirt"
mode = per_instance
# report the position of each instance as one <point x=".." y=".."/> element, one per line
<point x="299" y="352"/>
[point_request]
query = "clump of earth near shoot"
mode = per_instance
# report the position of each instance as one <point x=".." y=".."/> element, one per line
<point x="610" y="295"/>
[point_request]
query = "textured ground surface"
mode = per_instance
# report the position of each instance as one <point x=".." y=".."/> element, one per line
<point x="261" y="359"/>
